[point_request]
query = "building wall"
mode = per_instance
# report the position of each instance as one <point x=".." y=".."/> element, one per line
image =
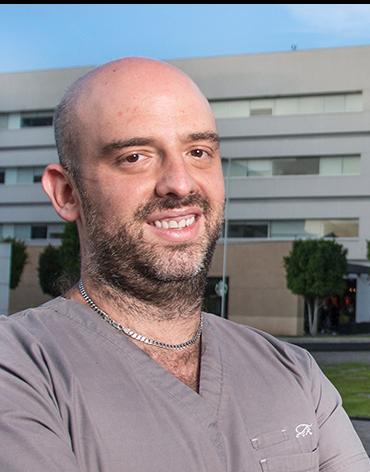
<point x="256" y="286"/>
<point x="253" y="76"/>
<point x="258" y="295"/>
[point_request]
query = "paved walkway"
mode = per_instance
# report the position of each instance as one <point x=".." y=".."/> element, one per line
<point x="363" y="430"/>
<point x="341" y="357"/>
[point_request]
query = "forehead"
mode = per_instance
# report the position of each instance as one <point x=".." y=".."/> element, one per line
<point x="151" y="99"/>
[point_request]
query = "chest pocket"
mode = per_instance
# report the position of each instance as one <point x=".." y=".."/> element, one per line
<point x="278" y="452"/>
<point x="306" y="462"/>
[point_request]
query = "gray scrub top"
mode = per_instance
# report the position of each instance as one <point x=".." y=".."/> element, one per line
<point x="78" y="396"/>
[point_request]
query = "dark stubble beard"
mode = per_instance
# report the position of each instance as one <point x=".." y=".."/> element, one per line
<point x="171" y="278"/>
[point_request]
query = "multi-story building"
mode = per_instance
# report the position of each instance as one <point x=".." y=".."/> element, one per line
<point x="295" y="140"/>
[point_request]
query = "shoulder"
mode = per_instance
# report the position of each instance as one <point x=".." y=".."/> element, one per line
<point x="32" y="316"/>
<point x="242" y="341"/>
<point x="31" y="326"/>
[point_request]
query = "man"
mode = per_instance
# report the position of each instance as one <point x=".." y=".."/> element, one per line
<point x="159" y="386"/>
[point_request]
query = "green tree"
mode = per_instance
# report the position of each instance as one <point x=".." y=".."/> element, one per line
<point x="315" y="269"/>
<point x="70" y="253"/>
<point x="50" y="270"/>
<point x="59" y="268"/>
<point x="18" y="260"/>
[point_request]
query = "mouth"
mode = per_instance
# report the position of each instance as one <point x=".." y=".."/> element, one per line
<point x="176" y="225"/>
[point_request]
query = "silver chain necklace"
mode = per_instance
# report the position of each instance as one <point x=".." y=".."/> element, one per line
<point x="140" y="337"/>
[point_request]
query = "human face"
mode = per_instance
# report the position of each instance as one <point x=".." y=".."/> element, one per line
<point x="154" y="180"/>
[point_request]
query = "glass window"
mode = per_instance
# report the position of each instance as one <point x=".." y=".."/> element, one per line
<point x="334" y="104"/>
<point x="33" y="119"/>
<point x="3" y="121"/>
<point x="37" y="174"/>
<point x="55" y="231"/>
<point x="313" y="228"/>
<point x="231" y="108"/>
<point x="288" y="229"/>
<point x="286" y="106"/>
<point x="311" y="104"/>
<point x="330" y="166"/>
<point x="25" y="175"/>
<point x="259" y="167"/>
<point x="338" y="103"/>
<point x="39" y="231"/>
<point x="2" y="176"/>
<point x="351" y="165"/>
<point x="247" y="229"/>
<point x="296" y="166"/>
<point x="213" y="297"/>
<point x="238" y="168"/>
<point x="22" y="232"/>
<point x="353" y="102"/>
<point x="340" y="228"/>
<point x="261" y="107"/>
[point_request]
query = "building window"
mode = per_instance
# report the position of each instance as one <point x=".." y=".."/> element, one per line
<point x="39" y="231"/>
<point x="23" y="175"/>
<point x="55" y="231"/>
<point x="2" y="176"/>
<point x="33" y="119"/>
<point x="212" y="301"/>
<point x="293" y="105"/>
<point x="315" y="165"/>
<point x="294" y="229"/>
<point x="3" y="121"/>
<point x="37" y="174"/>
<point x="247" y="229"/>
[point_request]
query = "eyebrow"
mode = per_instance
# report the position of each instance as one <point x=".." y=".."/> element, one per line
<point x="139" y="141"/>
<point x="204" y="136"/>
<point x="125" y="143"/>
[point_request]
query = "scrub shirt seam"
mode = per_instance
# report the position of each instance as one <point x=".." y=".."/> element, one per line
<point x="93" y="331"/>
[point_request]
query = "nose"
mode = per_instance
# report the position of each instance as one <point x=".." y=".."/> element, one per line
<point x="175" y="178"/>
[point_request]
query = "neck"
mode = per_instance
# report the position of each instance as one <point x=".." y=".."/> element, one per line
<point x="172" y="321"/>
<point x="183" y="364"/>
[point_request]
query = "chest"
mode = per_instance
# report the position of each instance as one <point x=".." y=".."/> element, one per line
<point x="184" y="365"/>
<point x="146" y="418"/>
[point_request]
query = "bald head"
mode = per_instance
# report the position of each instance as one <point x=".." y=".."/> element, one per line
<point x="115" y="92"/>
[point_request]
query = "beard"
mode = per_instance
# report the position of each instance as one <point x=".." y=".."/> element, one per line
<point x="122" y="261"/>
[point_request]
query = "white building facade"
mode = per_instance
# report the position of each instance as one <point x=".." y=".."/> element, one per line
<point x="295" y="141"/>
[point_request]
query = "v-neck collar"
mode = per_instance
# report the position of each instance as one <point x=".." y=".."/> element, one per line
<point x="204" y="404"/>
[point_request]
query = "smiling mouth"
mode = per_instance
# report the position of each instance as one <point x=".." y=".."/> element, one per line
<point x="175" y="223"/>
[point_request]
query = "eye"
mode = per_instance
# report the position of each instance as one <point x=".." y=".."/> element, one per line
<point x="133" y="157"/>
<point x="130" y="159"/>
<point x="199" y="153"/>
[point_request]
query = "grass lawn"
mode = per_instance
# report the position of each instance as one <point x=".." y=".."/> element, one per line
<point x="353" y="383"/>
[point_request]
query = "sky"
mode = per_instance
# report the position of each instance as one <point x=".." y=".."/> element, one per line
<point x="54" y="36"/>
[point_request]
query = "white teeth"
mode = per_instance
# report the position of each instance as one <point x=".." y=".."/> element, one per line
<point x="174" y="224"/>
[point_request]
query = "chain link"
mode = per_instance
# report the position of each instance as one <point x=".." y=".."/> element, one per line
<point x="139" y="337"/>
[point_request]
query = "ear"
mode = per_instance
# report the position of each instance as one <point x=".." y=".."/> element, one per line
<point x="62" y="192"/>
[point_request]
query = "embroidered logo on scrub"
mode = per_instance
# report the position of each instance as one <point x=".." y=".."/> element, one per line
<point x="303" y="430"/>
